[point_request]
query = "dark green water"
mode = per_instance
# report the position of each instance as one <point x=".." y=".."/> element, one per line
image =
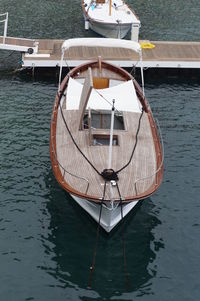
<point x="46" y="241"/>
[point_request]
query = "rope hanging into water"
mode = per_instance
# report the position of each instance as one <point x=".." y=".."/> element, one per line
<point x="97" y="239"/>
<point x="123" y="241"/>
<point x="2" y="60"/>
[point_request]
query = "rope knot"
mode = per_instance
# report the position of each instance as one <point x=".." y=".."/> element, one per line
<point x="109" y="175"/>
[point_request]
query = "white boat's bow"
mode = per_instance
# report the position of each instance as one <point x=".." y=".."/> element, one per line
<point x="111" y="19"/>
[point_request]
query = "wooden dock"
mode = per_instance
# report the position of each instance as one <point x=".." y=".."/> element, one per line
<point x="47" y="53"/>
<point x="163" y="55"/>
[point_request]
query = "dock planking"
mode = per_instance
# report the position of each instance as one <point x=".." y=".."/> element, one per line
<point x="165" y="55"/>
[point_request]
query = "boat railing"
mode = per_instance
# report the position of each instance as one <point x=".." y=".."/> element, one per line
<point x="4" y="19"/>
<point x="161" y="163"/>
<point x="60" y="165"/>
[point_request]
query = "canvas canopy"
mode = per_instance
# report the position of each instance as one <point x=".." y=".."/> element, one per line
<point x="103" y="42"/>
<point x="95" y="42"/>
<point x="124" y="95"/>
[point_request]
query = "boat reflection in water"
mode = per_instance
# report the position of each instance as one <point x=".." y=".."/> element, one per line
<point x="72" y="242"/>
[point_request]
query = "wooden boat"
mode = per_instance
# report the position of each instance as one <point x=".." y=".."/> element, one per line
<point x="104" y="144"/>
<point x="110" y="18"/>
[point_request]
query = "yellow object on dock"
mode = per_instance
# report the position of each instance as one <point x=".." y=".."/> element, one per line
<point x="147" y="45"/>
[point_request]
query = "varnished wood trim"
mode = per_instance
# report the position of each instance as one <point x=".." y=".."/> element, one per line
<point x="144" y="102"/>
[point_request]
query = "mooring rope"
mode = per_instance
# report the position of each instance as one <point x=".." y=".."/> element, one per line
<point x="123" y="241"/>
<point x="92" y="267"/>
<point x="2" y="60"/>
<point x="133" y="70"/>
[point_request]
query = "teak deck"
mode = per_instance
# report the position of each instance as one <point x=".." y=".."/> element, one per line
<point x="71" y="159"/>
<point x="165" y="54"/>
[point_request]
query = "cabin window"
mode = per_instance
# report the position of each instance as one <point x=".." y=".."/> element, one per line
<point x="99" y="139"/>
<point x="102" y="120"/>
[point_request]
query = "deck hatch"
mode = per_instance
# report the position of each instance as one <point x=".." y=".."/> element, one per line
<point x="102" y="120"/>
<point x="99" y="139"/>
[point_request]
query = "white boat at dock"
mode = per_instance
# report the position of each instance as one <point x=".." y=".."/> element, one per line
<point x="110" y="18"/>
<point x="104" y="144"/>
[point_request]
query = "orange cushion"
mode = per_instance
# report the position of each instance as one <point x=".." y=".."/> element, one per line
<point x="100" y="83"/>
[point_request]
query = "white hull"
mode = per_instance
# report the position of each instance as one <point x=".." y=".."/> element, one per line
<point x="109" y="217"/>
<point x="113" y="21"/>
<point x="110" y="30"/>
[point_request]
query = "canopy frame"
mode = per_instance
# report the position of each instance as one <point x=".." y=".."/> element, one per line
<point x="103" y="42"/>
